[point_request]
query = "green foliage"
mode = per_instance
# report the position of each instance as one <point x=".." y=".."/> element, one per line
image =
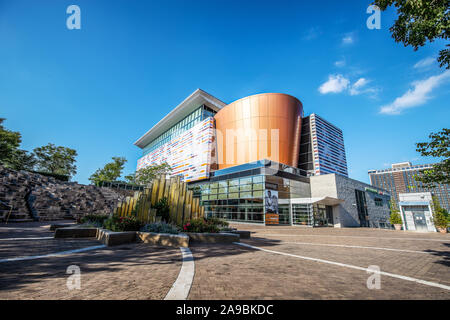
<point x="110" y="172"/>
<point x="146" y="175"/>
<point x="217" y="221"/>
<point x="438" y="147"/>
<point x="160" y="227"/>
<point x="10" y="154"/>
<point x="94" y="219"/>
<point x="420" y="21"/>
<point x="56" y="159"/>
<point x="395" y="218"/>
<point x="393" y="206"/>
<point x="162" y="209"/>
<point x="200" y="226"/>
<point x="116" y="223"/>
<point x="60" y="177"/>
<point x="440" y="215"/>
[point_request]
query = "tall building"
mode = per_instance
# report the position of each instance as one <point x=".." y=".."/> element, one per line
<point x="322" y="148"/>
<point x="183" y="138"/>
<point x="244" y="162"/>
<point x="400" y="179"/>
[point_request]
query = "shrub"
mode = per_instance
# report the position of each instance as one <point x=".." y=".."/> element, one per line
<point x="440" y="218"/>
<point x="440" y="215"/>
<point x="395" y="218"/>
<point x="160" y="227"/>
<point x="217" y="221"/>
<point x="162" y="209"/>
<point x="201" y="226"/>
<point x="122" y="224"/>
<point x="94" y="219"/>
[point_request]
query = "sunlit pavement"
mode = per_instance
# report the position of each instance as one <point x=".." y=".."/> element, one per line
<point x="133" y="271"/>
<point x="276" y="263"/>
<point x="324" y="263"/>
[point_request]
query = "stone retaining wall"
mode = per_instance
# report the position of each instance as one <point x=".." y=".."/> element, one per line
<point x="34" y="196"/>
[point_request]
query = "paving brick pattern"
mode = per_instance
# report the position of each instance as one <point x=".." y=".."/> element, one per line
<point x="234" y="272"/>
<point x="132" y="271"/>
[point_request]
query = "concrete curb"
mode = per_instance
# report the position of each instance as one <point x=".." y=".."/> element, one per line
<point x="111" y="238"/>
<point x="182" y="286"/>
<point x="164" y="239"/>
<point x="222" y="237"/>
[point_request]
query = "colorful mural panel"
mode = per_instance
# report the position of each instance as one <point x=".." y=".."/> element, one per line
<point x="189" y="154"/>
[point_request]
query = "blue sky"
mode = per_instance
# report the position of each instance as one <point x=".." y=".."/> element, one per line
<point x="100" y="88"/>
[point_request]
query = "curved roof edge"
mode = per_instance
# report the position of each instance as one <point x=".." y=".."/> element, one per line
<point x="197" y="98"/>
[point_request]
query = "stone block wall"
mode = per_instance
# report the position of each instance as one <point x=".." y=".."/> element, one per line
<point x="34" y="196"/>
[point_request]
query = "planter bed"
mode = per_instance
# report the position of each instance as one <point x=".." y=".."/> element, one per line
<point x="242" y="234"/>
<point x="222" y="237"/>
<point x="164" y="239"/>
<point x="111" y="238"/>
<point x="73" y="232"/>
<point x="55" y="226"/>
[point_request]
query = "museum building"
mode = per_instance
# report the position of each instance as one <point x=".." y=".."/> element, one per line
<point x="260" y="160"/>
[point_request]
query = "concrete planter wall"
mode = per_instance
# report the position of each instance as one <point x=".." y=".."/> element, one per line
<point x="222" y="237"/>
<point x="242" y="234"/>
<point x="164" y="239"/>
<point x="111" y="238"/>
<point x="73" y="232"/>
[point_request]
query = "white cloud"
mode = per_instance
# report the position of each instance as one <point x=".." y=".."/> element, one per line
<point x="338" y="83"/>
<point x="335" y="84"/>
<point x="340" y="63"/>
<point x="355" y="89"/>
<point x="347" y="39"/>
<point x="416" y="96"/>
<point x="424" y="63"/>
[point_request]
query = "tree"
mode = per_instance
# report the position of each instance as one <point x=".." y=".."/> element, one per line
<point x="420" y="21"/>
<point x="440" y="215"/>
<point x="145" y="175"/>
<point x="110" y="172"/>
<point x="10" y="154"/>
<point x="56" y="159"/>
<point x="23" y="160"/>
<point x="439" y="147"/>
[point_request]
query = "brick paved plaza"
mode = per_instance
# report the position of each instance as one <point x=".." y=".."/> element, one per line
<point x="302" y="263"/>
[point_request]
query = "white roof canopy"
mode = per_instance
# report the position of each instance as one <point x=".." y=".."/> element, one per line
<point x="197" y="98"/>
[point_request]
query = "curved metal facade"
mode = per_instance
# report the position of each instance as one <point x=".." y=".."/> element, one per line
<point x="262" y="126"/>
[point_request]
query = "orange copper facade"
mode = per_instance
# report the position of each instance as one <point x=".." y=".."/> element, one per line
<point x="262" y="126"/>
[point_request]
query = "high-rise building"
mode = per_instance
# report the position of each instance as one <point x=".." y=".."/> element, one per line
<point x="400" y="179"/>
<point x="322" y="148"/>
<point x="245" y="162"/>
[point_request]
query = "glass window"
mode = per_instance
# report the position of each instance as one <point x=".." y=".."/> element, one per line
<point x="258" y="179"/>
<point x="246" y="194"/>
<point x="234" y="195"/>
<point x="245" y="181"/>
<point x="258" y="186"/>
<point x="257" y="194"/>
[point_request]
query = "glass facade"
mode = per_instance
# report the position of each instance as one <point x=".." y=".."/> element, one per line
<point x="198" y="115"/>
<point x="239" y="196"/>
<point x="239" y="199"/>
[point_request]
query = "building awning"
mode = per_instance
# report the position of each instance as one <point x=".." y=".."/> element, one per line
<point x="413" y="203"/>
<point x="328" y="201"/>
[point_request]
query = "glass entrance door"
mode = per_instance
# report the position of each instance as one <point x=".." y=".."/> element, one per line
<point x="420" y="222"/>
